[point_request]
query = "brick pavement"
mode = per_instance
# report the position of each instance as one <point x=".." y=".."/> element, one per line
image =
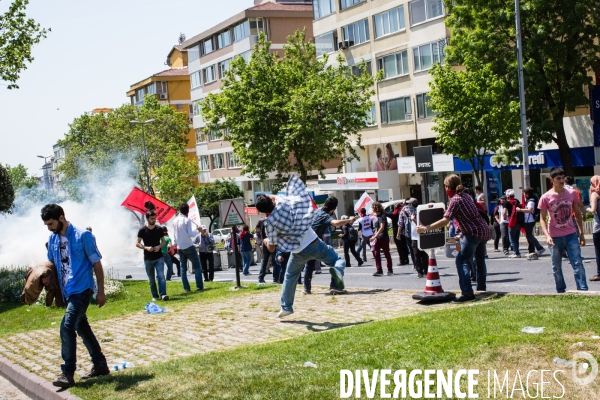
<point x="203" y="327"/>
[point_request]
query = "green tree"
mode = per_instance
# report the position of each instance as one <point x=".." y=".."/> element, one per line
<point x="175" y="178"/>
<point x="560" y="49"/>
<point x="7" y="193"/>
<point x="18" y="34"/>
<point x="208" y="196"/>
<point x="98" y="143"/>
<point x="292" y="113"/>
<point x="471" y="118"/>
<point x="20" y="178"/>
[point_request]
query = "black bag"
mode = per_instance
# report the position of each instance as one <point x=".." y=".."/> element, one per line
<point x="352" y="234"/>
<point x="484" y="215"/>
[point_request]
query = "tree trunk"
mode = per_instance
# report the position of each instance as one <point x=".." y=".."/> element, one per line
<point x="564" y="149"/>
<point x="212" y="219"/>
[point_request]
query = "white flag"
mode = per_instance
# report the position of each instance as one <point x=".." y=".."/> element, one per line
<point x="365" y="201"/>
<point x="194" y="214"/>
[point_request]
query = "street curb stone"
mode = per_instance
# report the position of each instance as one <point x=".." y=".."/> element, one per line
<point x="30" y="384"/>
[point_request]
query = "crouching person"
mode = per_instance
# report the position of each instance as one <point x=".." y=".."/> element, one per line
<point x="39" y="277"/>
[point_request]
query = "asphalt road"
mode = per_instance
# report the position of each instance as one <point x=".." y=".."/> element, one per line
<point x="504" y="274"/>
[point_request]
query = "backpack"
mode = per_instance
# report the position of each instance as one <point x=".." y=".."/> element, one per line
<point x="484" y="215"/>
<point x="352" y="234"/>
<point x="536" y="210"/>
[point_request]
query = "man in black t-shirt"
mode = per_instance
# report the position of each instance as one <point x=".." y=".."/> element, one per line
<point x="153" y="237"/>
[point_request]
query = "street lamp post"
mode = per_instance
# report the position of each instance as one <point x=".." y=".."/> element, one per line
<point x="145" y="152"/>
<point x="522" y="96"/>
<point x="45" y="168"/>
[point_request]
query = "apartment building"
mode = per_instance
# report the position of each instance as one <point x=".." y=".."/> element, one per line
<point x="209" y="56"/>
<point x="172" y="87"/>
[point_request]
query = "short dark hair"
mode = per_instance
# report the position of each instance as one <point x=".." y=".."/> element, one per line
<point x="264" y="204"/>
<point x="330" y="204"/>
<point x="150" y="213"/>
<point x="52" y="211"/>
<point x="556" y="171"/>
<point x="529" y="192"/>
<point x="245" y="227"/>
<point x="569" y="180"/>
<point x="478" y="188"/>
<point x="184" y="208"/>
<point x="165" y="229"/>
<point x="363" y="210"/>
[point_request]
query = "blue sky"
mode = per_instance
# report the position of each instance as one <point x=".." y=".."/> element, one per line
<point x="95" y="51"/>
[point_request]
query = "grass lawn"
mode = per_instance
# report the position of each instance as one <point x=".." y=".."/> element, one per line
<point x="18" y="317"/>
<point x="484" y="335"/>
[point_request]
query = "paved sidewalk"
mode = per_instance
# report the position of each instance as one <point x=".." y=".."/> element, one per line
<point x="9" y="392"/>
<point x="203" y="327"/>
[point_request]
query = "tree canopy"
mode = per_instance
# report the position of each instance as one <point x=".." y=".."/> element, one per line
<point x="18" y="34"/>
<point x="290" y="113"/>
<point x="208" y="196"/>
<point x="560" y="50"/>
<point x="97" y="143"/>
<point x="20" y="178"/>
<point x="7" y="193"/>
<point x="471" y="117"/>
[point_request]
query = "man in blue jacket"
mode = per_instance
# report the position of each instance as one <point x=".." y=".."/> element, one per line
<point x="75" y="255"/>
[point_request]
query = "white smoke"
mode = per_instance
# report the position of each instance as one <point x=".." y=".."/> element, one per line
<point x="114" y="227"/>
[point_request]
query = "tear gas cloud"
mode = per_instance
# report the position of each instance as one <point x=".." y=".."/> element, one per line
<point x="114" y="227"/>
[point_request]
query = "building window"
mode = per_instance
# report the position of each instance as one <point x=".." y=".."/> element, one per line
<point x="423" y="109"/>
<point x="393" y="64"/>
<point x="356" y="71"/>
<point x="225" y="132"/>
<point x="139" y="94"/>
<point x="200" y="136"/>
<point x="195" y="80"/>
<point x="161" y="87"/>
<point x="356" y="33"/>
<point x="246" y="56"/>
<point x="193" y="53"/>
<point x="322" y="8"/>
<point x="233" y="161"/>
<point x="215" y="135"/>
<point x="349" y="3"/>
<point x="326" y="43"/>
<point x="207" y="46"/>
<point x="223" y="67"/>
<point x="209" y="74"/>
<point x="424" y="10"/>
<point x="241" y="31"/>
<point x="217" y="161"/>
<point x="371" y="116"/>
<point x="203" y="163"/>
<point x="150" y="89"/>
<point x="197" y="108"/>
<point x="426" y="55"/>
<point x="396" y="110"/>
<point x="389" y="22"/>
<point x="223" y="39"/>
<point x="256" y="26"/>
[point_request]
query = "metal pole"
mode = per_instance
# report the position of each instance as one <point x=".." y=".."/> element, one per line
<point x="145" y="160"/>
<point x="522" y="96"/>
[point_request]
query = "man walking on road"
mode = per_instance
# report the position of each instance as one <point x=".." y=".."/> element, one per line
<point x="559" y="203"/>
<point x="183" y="235"/>
<point x="206" y="244"/>
<point x="288" y="227"/>
<point x="75" y="255"/>
<point x="153" y="237"/>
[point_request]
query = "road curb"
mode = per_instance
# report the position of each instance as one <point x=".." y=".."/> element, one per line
<point x="30" y="384"/>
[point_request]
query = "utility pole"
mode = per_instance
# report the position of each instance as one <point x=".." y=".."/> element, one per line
<point x="145" y="152"/>
<point x="522" y="96"/>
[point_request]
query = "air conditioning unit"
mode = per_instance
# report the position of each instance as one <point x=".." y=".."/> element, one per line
<point x="343" y="45"/>
<point x="162" y="96"/>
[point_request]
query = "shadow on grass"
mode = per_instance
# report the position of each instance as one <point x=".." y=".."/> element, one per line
<point x="7" y="306"/>
<point x="323" y="326"/>
<point x="121" y="381"/>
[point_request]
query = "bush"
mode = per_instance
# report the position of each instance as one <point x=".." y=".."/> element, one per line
<point x="12" y="282"/>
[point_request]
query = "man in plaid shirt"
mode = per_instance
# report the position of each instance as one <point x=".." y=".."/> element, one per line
<point x="289" y="228"/>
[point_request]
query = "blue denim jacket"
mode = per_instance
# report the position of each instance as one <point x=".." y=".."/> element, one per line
<point x="83" y="253"/>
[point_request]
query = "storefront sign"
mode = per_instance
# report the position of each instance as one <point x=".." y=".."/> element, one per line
<point x="360" y="181"/>
<point x="342" y="180"/>
<point x="596" y="104"/>
<point x="441" y="163"/>
<point x="424" y="158"/>
<point x="535" y="159"/>
<point x="251" y="210"/>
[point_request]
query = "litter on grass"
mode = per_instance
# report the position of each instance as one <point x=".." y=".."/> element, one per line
<point x="531" y="329"/>
<point x="153" y="308"/>
<point x="595" y="337"/>
<point x="578" y="344"/>
<point x="309" y="364"/>
<point x="564" y="362"/>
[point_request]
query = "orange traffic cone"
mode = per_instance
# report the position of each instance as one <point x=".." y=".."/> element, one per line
<point x="433" y="287"/>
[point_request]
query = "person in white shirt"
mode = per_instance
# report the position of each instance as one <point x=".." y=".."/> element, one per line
<point x="535" y="248"/>
<point x="503" y="216"/>
<point x="365" y="228"/>
<point x="183" y="236"/>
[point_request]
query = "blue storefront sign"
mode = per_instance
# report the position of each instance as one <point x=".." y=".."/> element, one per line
<point x="580" y="156"/>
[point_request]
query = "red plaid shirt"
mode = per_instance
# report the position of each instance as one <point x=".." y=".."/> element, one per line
<point x="463" y="209"/>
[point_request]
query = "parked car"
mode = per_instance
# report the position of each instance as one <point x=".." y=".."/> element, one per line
<point x="220" y="234"/>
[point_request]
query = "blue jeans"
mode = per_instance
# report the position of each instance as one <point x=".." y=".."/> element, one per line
<point x="317" y="250"/>
<point x="470" y="245"/>
<point x="156" y="267"/>
<point x="169" y="264"/>
<point x="570" y="243"/>
<point x="190" y="254"/>
<point x="74" y="324"/>
<point x="246" y="261"/>
<point x="513" y="235"/>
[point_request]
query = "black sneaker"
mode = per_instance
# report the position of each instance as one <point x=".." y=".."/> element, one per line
<point x="463" y="299"/>
<point x="335" y="291"/>
<point x="64" y="381"/>
<point x="378" y="273"/>
<point x="97" y="370"/>
<point x="360" y="263"/>
<point x="390" y="272"/>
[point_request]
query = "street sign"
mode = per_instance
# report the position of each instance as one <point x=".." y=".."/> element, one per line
<point x="428" y="214"/>
<point x="424" y="158"/>
<point x="231" y="212"/>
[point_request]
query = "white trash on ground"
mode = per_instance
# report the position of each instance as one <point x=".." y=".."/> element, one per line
<point x="561" y="361"/>
<point x="531" y="329"/>
<point x="309" y="364"/>
<point x="578" y="344"/>
<point x="595" y="337"/>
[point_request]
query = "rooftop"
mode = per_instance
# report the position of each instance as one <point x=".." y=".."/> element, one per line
<point x="281" y="7"/>
<point x="181" y="71"/>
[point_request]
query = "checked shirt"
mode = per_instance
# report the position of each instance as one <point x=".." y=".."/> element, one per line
<point x="462" y="208"/>
<point x="291" y="217"/>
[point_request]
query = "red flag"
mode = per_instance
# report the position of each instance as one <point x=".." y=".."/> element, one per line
<point x="314" y="205"/>
<point x="523" y="206"/>
<point x="140" y="201"/>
